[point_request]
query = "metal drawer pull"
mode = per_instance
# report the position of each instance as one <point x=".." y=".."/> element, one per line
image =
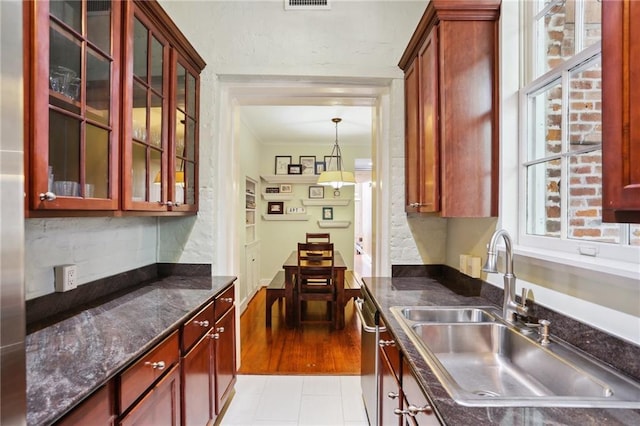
<point x="220" y="329"/>
<point x="392" y="395"/>
<point x="156" y="365"/>
<point x="412" y="410"/>
<point x="204" y="323"/>
<point x="215" y="336"/>
<point x="227" y="299"/>
<point x="383" y="343"/>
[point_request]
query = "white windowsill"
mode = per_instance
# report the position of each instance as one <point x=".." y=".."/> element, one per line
<point x="580" y="262"/>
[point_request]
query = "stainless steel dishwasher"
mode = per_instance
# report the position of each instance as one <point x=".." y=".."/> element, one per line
<point x="370" y="364"/>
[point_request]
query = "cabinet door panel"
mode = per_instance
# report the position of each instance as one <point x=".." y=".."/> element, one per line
<point x="621" y="111"/>
<point x="224" y="358"/>
<point x="429" y="152"/>
<point x="412" y="138"/>
<point x="160" y="406"/>
<point x="197" y="400"/>
<point x="390" y="395"/>
<point x="72" y="102"/>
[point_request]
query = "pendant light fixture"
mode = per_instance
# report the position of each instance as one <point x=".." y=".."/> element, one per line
<point x="336" y="178"/>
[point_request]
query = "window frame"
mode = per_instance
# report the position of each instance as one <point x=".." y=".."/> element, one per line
<point x="616" y="258"/>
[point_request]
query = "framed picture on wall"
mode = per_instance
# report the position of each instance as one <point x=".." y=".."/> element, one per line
<point x="294" y="169"/>
<point x="308" y="163"/>
<point x="316" y="192"/>
<point x="275" y="207"/>
<point x="320" y="167"/>
<point x="282" y="164"/>
<point x="285" y="187"/>
<point x="327" y="213"/>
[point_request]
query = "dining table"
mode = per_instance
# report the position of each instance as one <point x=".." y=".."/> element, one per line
<point x="290" y="267"/>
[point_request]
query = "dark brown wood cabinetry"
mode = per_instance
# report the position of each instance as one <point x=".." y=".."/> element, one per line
<point x="621" y="111"/>
<point x="390" y="387"/>
<point x="112" y="110"/>
<point x="160" y="406"/>
<point x="97" y="410"/>
<point x="197" y="368"/>
<point x="416" y="405"/>
<point x="224" y="350"/>
<point x="451" y="110"/>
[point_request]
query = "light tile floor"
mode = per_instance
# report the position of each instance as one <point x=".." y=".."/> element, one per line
<point x="296" y="400"/>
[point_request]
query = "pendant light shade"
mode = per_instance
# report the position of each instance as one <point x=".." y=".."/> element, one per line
<point x="336" y="178"/>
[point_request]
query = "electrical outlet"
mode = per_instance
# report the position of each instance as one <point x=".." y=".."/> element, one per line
<point x="464" y="261"/>
<point x="65" y="277"/>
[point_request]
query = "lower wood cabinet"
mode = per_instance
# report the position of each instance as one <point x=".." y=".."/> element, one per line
<point x="416" y="406"/>
<point x="96" y="410"/>
<point x="160" y="406"/>
<point x="390" y="374"/>
<point x="224" y="359"/>
<point x="187" y="379"/>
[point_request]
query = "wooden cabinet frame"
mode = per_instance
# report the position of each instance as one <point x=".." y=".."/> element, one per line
<point x="621" y="111"/>
<point x="451" y="108"/>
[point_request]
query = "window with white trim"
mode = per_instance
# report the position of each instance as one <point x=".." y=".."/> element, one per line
<point x="561" y="128"/>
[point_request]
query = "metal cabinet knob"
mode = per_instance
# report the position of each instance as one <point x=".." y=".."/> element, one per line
<point x="204" y="323"/>
<point x="392" y="395"/>
<point x="215" y="336"/>
<point x="47" y="196"/>
<point x="227" y="299"/>
<point x="384" y="343"/>
<point x="220" y="329"/>
<point x="156" y="365"/>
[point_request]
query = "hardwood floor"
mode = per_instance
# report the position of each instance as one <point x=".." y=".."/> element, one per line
<point x="313" y="349"/>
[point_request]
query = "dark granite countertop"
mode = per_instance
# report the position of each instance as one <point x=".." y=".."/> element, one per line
<point x="413" y="291"/>
<point x="68" y="360"/>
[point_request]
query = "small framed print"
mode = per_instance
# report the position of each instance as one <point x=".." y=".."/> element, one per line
<point x="308" y="163"/>
<point x="327" y="213"/>
<point x="331" y="162"/>
<point x="294" y="169"/>
<point x="272" y="190"/>
<point x="320" y="167"/>
<point x="275" y="207"/>
<point x="282" y="163"/>
<point x="316" y="192"/>
<point x="285" y="187"/>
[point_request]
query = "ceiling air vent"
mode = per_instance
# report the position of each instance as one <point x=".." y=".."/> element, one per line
<point x="307" y="4"/>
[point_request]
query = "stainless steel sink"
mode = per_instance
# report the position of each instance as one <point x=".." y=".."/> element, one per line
<point x="440" y="314"/>
<point x="484" y="361"/>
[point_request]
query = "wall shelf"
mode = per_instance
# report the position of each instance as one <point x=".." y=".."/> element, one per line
<point x="285" y="217"/>
<point x="334" y="223"/>
<point x="277" y="196"/>
<point x="310" y="179"/>
<point x="325" y="202"/>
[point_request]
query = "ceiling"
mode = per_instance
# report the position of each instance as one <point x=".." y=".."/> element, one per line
<point x="290" y="124"/>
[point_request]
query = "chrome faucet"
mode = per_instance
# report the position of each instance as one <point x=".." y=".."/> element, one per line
<point x="509" y="306"/>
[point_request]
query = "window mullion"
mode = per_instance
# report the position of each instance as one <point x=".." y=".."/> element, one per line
<point x="564" y="162"/>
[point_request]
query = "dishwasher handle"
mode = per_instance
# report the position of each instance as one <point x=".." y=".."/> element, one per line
<point x="366" y="326"/>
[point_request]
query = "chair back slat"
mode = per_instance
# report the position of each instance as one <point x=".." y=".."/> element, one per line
<point x="318" y="237"/>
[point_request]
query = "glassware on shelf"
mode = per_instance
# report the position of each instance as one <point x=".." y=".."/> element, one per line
<point x="64" y="81"/>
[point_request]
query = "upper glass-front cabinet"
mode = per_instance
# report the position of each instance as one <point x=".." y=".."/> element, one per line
<point x="72" y="102"/>
<point x="112" y="109"/>
<point x="161" y="120"/>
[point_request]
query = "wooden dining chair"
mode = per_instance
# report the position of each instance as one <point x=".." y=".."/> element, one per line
<point x="318" y="237"/>
<point x="315" y="280"/>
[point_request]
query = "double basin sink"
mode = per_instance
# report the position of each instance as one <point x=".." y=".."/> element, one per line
<point x="481" y="360"/>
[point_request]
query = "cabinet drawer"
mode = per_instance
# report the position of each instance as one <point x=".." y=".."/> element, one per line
<point x="390" y="351"/>
<point x="136" y="379"/>
<point x="196" y="327"/>
<point x="223" y="302"/>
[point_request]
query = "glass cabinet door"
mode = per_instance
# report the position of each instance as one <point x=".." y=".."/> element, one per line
<point x="146" y="169"/>
<point x="183" y="181"/>
<point x="74" y="150"/>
